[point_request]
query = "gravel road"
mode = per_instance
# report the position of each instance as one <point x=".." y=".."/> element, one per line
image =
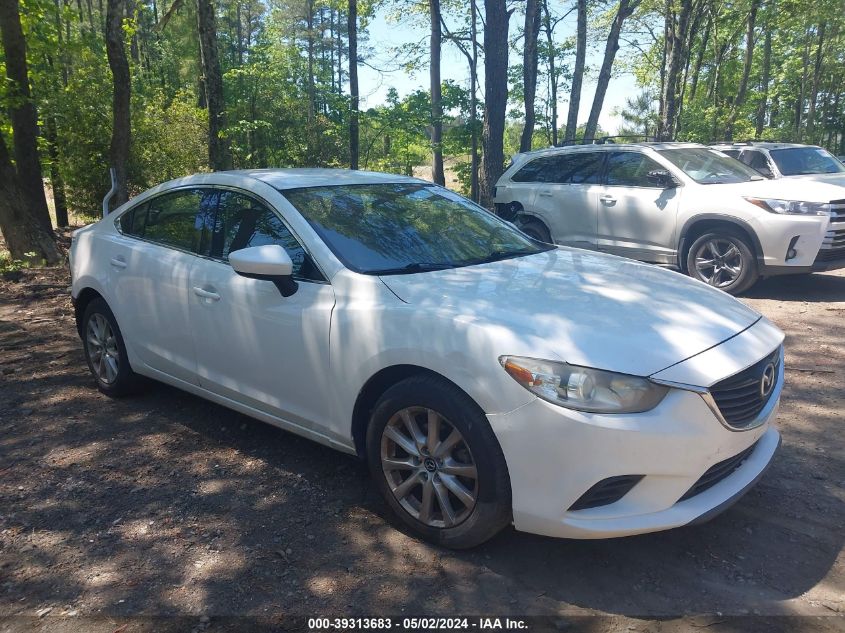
<point x="114" y="513"/>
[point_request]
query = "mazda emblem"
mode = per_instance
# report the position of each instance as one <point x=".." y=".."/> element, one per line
<point x="767" y="382"/>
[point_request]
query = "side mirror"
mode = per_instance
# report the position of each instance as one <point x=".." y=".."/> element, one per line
<point x="661" y="178"/>
<point x="270" y="263"/>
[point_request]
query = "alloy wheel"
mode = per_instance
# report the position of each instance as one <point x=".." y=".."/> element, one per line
<point x="102" y="348"/>
<point x="429" y="467"/>
<point x="718" y="262"/>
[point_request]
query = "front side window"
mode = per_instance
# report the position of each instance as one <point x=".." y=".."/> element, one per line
<point x="239" y="222"/>
<point x="795" y="161"/>
<point x="630" y="169"/>
<point x="407" y="227"/>
<point x="169" y="219"/>
<point x="709" y="166"/>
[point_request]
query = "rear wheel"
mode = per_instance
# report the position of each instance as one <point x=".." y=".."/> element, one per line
<point x="437" y="463"/>
<point x="535" y="229"/>
<point x="723" y="259"/>
<point x="105" y="350"/>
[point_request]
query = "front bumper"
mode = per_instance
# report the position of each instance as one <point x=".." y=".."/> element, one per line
<point x="555" y="455"/>
<point x="818" y="242"/>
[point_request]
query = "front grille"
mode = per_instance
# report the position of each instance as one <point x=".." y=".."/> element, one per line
<point x="830" y="254"/>
<point x="607" y="491"/>
<point x="837" y="208"/>
<point x="717" y="473"/>
<point x="740" y="398"/>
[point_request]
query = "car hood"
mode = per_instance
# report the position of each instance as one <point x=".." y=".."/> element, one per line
<point x="583" y="307"/>
<point x="806" y="189"/>
<point x="831" y="179"/>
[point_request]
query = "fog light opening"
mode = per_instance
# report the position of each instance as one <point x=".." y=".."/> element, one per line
<point x="791" y="253"/>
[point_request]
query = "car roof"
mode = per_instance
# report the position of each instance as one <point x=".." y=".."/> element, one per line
<point x="295" y="178"/>
<point x="761" y="144"/>
<point x="608" y="147"/>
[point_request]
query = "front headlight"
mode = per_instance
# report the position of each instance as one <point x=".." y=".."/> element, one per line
<point x="582" y="388"/>
<point x="791" y="207"/>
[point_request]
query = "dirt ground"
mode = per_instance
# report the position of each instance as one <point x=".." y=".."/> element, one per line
<point x="163" y="511"/>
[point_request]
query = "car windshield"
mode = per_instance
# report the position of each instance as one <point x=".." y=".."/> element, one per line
<point x="795" y="161"/>
<point x="384" y="229"/>
<point x="708" y="166"/>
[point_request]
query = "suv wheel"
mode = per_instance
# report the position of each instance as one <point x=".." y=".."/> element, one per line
<point x="535" y="229"/>
<point x="437" y="463"/>
<point x="105" y="350"/>
<point x="724" y="260"/>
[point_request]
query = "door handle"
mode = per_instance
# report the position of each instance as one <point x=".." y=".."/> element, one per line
<point x="206" y="294"/>
<point x="607" y="198"/>
<point x="546" y="194"/>
<point x="118" y="262"/>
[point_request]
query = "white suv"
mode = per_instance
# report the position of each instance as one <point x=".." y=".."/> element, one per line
<point x="787" y="160"/>
<point x="680" y="205"/>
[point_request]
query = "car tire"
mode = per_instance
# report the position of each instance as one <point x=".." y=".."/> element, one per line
<point x="723" y="258"/>
<point x="535" y="229"/>
<point x="415" y="473"/>
<point x="105" y="351"/>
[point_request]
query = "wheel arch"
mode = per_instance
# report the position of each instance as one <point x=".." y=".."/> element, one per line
<point x="82" y="301"/>
<point x="375" y="386"/>
<point x="698" y="225"/>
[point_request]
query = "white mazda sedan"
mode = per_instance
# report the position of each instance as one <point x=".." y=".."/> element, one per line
<point x="487" y="378"/>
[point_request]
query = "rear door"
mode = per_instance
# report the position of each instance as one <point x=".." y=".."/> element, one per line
<point x="150" y="268"/>
<point x="636" y="218"/>
<point x="567" y="198"/>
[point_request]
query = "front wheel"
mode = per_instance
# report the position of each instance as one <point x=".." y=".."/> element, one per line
<point x="437" y="463"/>
<point x="724" y="260"/>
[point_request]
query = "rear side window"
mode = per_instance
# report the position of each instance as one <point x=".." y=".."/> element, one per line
<point x="536" y="171"/>
<point x="242" y="222"/>
<point x="755" y="160"/>
<point x="172" y="219"/>
<point x="733" y="153"/>
<point x="572" y="168"/>
<point x="134" y="221"/>
<point x="630" y="169"/>
<point x="581" y="168"/>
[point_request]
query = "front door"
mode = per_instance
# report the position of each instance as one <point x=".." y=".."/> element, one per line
<point x="636" y="217"/>
<point x="253" y="345"/>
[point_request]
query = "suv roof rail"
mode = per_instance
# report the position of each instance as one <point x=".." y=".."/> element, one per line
<point x="602" y="140"/>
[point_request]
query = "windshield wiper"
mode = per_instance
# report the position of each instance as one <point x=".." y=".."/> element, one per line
<point x="496" y="256"/>
<point x="415" y="267"/>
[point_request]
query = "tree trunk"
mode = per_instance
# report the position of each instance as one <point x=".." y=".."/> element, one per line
<point x="675" y="33"/>
<point x="495" y="97"/>
<point x="705" y="40"/>
<point x="473" y="102"/>
<point x="814" y="89"/>
<point x="353" y="83"/>
<point x="57" y="183"/>
<point x="120" y="137"/>
<point x="577" y="73"/>
<point x="529" y="65"/>
<point x="436" y="97"/>
<point x="739" y="101"/>
<point x="626" y="8"/>
<point x="547" y="27"/>
<point x="764" y="84"/>
<point x="22" y="114"/>
<point x="219" y="157"/>
<point x="25" y="236"/>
